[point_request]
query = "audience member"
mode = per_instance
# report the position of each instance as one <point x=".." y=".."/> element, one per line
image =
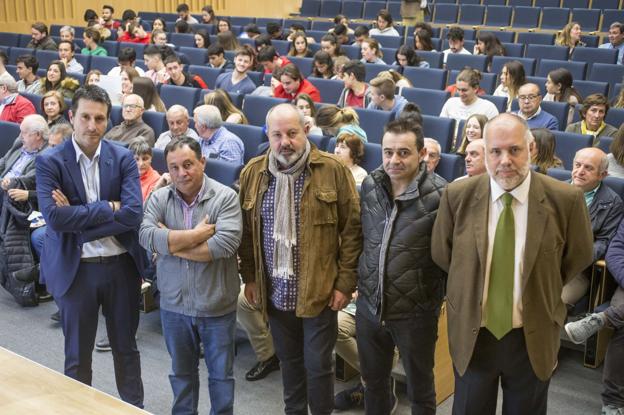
<point x="91" y="38"/>
<point x="306" y="106"/>
<point x="199" y="251"/>
<point x="360" y="33"/>
<point x="356" y="92"/>
<point x="383" y="97"/>
<point x="529" y="100"/>
<point x="292" y="83"/>
<point x="350" y="149"/>
<point x="185" y="14"/>
<point x="275" y="31"/>
<point x="127" y="77"/>
<point x="14" y="106"/>
<point x="107" y="20"/>
<point x="250" y="31"/>
<point x="68" y="34"/>
<point x="40" y="37"/>
<point x="559" y="89"/>
<point x="334" y="121"/>
<point x="455" y="37"/>
<point x="616" y="154"/>
<point x="593" y="113"/>
<point x="156" y="70"/>
<point x="135" y="34"/>
<point x="570" y="37"/>
<point x="384" y="25"/>
<point x="616" y="40"/>
<point x="299" y="46"/>
<point x="475" y="158"/>
<point x="217" y="59"/>
<point x="150" y="179"/>
<point x="343" y="20"/>
<point x="178" y="77"/>
<point x="227" y="40"/>
<point x="216" y="141"/>
<point x="339" y="64"/>
<point x="126" y="58"/>
<point x="270" y="59"/>
<point x="58" y="134"/>
<point x="406" y="56"/>
<point x="473" y="130"/>
<point x="26" y="68"/>
<point x="512" y="77"/>
<point x="543" y="155"/>
<point x="262" y="41"/>
<point x="422" y="41"/>
<point x="371" y="52"/>
<point x="19" y="160"/>
<point x="340" y="31"/>
<point x="66" y="55"/>
<point x="432" y="156"/>
<point x="399" y="80"/>
<point x="93" y="77"/>
<point x="237" y="81"/>
<point x="330" y="45"/>
<point x="178" y="122"/>
<point x="53" y="106"/>
<point x="4" y="60"/>
<point x="467" y="103"/>
<point x="208" y="15"/>
<point x="132" y="125"/>
<point x="145" y="88"/>
<point x="303" y="325"/>
<point x="201" y="39"/>
<point x="489" y="45"/>
<point x="182" y="27"/>
<point x="322" y="65"/>
<point x="159" y="24"/>
<point x="90" y="17"/>
<point x="229" y="113"/>
<point x="159" y="38"/>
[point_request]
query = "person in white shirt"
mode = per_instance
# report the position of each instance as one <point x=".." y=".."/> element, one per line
<point x="178" y="121"/>
<point x="66" y="55"/>
<point x="455" y="37"/>
<point x="468" y="103"/>
<point x="156" y="70"/>
<point x="616" y="40"/>
<point x="384" y="25"/>
<point x="185" y="14"/>
<point x="126" y="57"/>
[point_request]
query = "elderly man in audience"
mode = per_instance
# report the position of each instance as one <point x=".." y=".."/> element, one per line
<point x="13" y="106"/>
<point x="27" y="66"/>
<point x="20" y="159"/>
<point x="216" y="141"/>
<point x="475" y="158"/>
<point x="40" y="38"/>
<point x="178" y="121"/>
<point x="299" y="252"/>
<point x="432" y="158"/>
<point x="593" y="113"/>
<point x="605" y="212"/>
<point x="132" y="125"/>
<point x="529" y="100"/>
<point x="383" y="97"/>
<point x="616" y="40"/>
<point x="194" y="227"/>
<point x="66" y="55"/>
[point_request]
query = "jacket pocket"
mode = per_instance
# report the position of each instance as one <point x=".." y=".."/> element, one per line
<point x="249" y="203"/>
<point x="325" y="209"/>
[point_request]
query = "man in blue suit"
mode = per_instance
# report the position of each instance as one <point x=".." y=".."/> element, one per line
<point x="90" y="197"/>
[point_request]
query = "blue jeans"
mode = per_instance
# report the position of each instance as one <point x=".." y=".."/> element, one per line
<point x="36" y="240"/>
<point x="183" y="335"/>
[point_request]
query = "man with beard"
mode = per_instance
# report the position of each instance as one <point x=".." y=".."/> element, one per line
<point x="509" y="241"/>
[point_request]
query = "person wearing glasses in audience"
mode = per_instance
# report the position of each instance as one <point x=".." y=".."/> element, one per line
<point x="529" y="100"/>
<point x="132" y="125"/>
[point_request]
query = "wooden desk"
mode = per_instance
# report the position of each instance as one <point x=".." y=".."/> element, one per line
<point x="27" y="387"/>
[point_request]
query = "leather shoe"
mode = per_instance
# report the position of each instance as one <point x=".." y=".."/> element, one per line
<point x="56" y="316"/>
<point x="262" y="369"/>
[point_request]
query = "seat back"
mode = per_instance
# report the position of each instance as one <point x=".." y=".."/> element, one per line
<point x="373" y="122"/>
<point x="450" y="167"/>
<point x="459" y="61"/>
<point x="554" y="18"/>
<point x="534" y="38"/>
<point x="10" y="131"/>
<point x="197" y="56"/>
<point x="526" y="17"/>
<point x="224" y="172"/>
<point x="602" y="72"/>
<point x="441" y="129"/>
<point x="426" y="77"/>
<point x="588" y="19"/>
<point x="595" y="55"/>
<point x="329" y="89"/>
<point x="156" y="120"/>
<point x="499" y="15"/>
<point x="430" y="101"/>
<point x="615" y="116"/>
<point x="372" y="158"/>
<point x="256" y="108"/>
<point x="577" y="69"/>
<point x="445" y="13"/>
<point x="252" y="136"/>
<point x="471" y="14"/>
<point x="559" y="110"/>
<point x="435" y="59"/>
<point x="547" y="52"/>
<point x="499" y="61"/>
<point x="567" y="144"/>
<point x="208" y="74"/>
<point x="181" y="95"/>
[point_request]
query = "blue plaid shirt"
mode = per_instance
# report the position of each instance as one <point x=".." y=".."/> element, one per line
<point x="223" y="145"/>
<point x="282" y="292"/>
<point x="18" y="167"/>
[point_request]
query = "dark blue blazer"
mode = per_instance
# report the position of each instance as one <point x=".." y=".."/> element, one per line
<point x="69" y="227"/>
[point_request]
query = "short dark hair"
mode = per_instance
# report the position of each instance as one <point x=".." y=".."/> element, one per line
<point x="402" y="126"/>
<point x="153" y="50"/>
<point x="126" y="55"/>
<point x="91" y="93"/>
<point x="182" y="26"/>
<point x="173" y="58"/>
<point x="338" y="18"/>
<point x="340" y="29"/>
<point x="40" y="27"/>
<point x="355" y="67"/>
<point x="183" y="7"/>
<point x="184" y="141"/>
<point x="109" y="7"/>
<point x="215" y="49"/>
<point x="128" y="14"/>
<point x="29" y="61"/>
<point x="297" y="27"/>
<point x="385" y="14"/>
<point x="251" y="28"/>
<point x="93" y="34"/>
<point x="71" y="45"/>
<point x="361" y="31"/>
<point x="273" y="27"/>
<point x="245" y="50"/>
<point x="262" y="40"/>
<point x="3" y="57"/>
<point x="455" y="33"/>
<point x="267" y="54"/>
<point x="90" y="15"/>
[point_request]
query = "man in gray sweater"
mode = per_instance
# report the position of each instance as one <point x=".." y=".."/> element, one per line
<point x="194" y="226"/>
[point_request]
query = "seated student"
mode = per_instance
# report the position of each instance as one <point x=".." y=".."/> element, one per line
<point x="185" y="14"/>
<point x="543" y="152"/>
<point x="156" y="70"/>
<point x="107" y="19"/>
<point x="343" y="20"/>
<point x="27" y="66"/>
<point x="146" y="89"/>
<point x="208" y="15"/>
<point x="605" y="212"/>
<point x="356" y="92"/>
<point x="217" y="142"/>
<point x="455" y="38"/>
<point x="135" y="34"/>
<point x="340" y="31"/>
<point x="432" y="158"/>
<point x="384" y="25"/>
<point x="150" y="179"/>
<point x="371" y="52"/>
<point x="323" y="65"/>
<point x="422" y="40"/>
<point x="399" y="80"/>
<point x="570" y="37"/>
<point x="217" y="59"/>
<point x="299" y="46"/>
<point x="512" y="77"/>
<point x="15" y="107"/>
<point x="473" y="130"/>
<point x="270" y="59"/>
<point x="383" y="97"/>
<point x="53" y="106"/>
<point x="159" y="38"/>
<point x="182" y="27"/>
<point x="40" y="38"/>
<point x="4" y="60"/>
<point x="559" y="88"/>
<point x="616" y="154"/>
<point x="468" y="103"/>
<point x="237" y="81"/>
<point x="335" y="121"/>
<point x="292" y="83"/>
<point x="593" y="113"/>
<point x="227" y="40"/>
<point x="489" y="45"/>
<point x="330" y="45"/>
<point x="229" y="113"/>
<point x="262" y="41"/>
<point x="407" y="56"/>
<point x="178" y="122"/>
<point x="250" y="31"/>
<point x="616" y="40"/>
<point x="275" y="31"/>
<point x="529" y="100"/>
<point x="91" y="38"/>
<point x="126" y="58"/>
<point x="178" y="77"/>
<point x="66" y="55"/>
<point x="132" y="124"/>
<point x="306" y="107"/>
<point x="360" y="33"/>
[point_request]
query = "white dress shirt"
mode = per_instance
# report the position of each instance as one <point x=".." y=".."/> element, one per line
<point x="520" y="208"/>
<point x="90" y="172"/>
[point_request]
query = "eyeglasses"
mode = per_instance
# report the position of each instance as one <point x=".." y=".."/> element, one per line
<point x="131" y="106"/>
<point x="528" y="97"/>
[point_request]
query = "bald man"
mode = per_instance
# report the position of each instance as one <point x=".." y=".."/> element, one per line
<point x="132" y="125"/>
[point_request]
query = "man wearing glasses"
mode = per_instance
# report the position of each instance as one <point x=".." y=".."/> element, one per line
<point x="529" y="100"/>
<point x="132" y="125"/>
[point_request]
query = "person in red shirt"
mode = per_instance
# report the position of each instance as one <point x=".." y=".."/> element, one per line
<point x="269" y="59"/>
<point x="293" y="84"/>
<point x="356" y="92"/>
<point x="135" y="34"/>
<point x="107" y="18"/>
<point x="13" y="106"/>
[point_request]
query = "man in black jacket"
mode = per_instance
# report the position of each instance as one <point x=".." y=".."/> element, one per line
<point x="605" y="211"/>
<point x="400" y="288"/>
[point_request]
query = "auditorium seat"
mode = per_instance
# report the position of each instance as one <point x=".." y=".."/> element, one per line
<point x="373" y="69"/>
<point x="505" y="37"/>
<point x="430" y="101"/>
<point x="554" y="18"/>
<point x="320" y="141"/>
<point x="183" y="39"/>
<point x="224" y="172"/>
<point x="588" y="19"/>
<point x="444" y="13"/>
<point x="605" y="4"/>
<point x="602" y="72"/>
<point x="460" y="61"/>
<point x="521" y="3"/>
<point x="534" y="38"/>
<point x="615" y="117"/>
<point x="494" y="3"/>
<point x="604" y="143"/>
<point x="9" y="39"/>
<point x="158" y="160"/>
<point x="441" y="129"/>
<point x="586" y="88"/>
<point x="256" y="107"/>
<point x="330" y="8"/>
<point x="181" y="95"/>
<point x="595" y="55"/>
<point x="426" y="77"/>
<point x="498" y="16"/>
<point x="371" y="8"/>
<point x="15" y="52"/>
<point x="352" y="9"/>
<point x="567" y="144"/>
<point x="251" y="135"/>
<point x="10" y="131"/>
<point x="450" y="167"/>
<point x="435" y="59"/>
<point x="499" y="102"/>
<point x="374" y="122"/>
<point x="330" y="89"/>
<point x="526" y="17"/>
<point x="208" y="74"/>
<point x="577" y="69"/>
<point x="156" y="120"/>
<point x="103" y="63"/>
<point x="575" y="4"/>
<point x="304" y="64"/>
<point x="552" y="52"/>
<point x="471" y="14"/>
<point x="559" y="110"/>
<point x="616" y="184"/>
<point x="499" y="61"/>
<point x="197" y="56"/>
<point x="560" y="174"/>
<point x="389" y="41"/>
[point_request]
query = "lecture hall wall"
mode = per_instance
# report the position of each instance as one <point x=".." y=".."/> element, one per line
<point x="18" y="15"/>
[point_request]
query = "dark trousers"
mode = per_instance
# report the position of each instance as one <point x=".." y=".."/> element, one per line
<point x="416" y="339"/>
<point x="304" y="348"/>
<point x="505" y="359"/>
<point x="116" y="286"/>
<point x="613" y="374"/>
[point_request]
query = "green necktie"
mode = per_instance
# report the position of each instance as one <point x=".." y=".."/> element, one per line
<point x="500" y="291"/>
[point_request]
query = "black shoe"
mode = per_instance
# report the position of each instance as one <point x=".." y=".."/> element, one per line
<point x="103" y="345"/>
<point x="262" y="369"/>
<point x="56" y="316"/>
<point x="44" y="297"/>
<point x="350" y="398"/>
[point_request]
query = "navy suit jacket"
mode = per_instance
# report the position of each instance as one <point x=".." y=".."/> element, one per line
<point x="69" y="227"/>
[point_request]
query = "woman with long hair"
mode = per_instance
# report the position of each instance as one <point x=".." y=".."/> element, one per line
<point x="330" y="45"/>
<point x="229" y="113"/>
<point x="299" y="46"/>
<point x="56" y="79"/>
<point x="144" y="87"/>
<point x="559" y="88"/>
<point x="473" y="130"/>
<point x="616" y="154"/>
<point x="570" y="36"/>
<point x="202" y="39"/>
<point x="159" y="24"/>
<point x="93" y="77"/>
<point x="371" y="52"/>
<point x="422" y="40"/>
<point x="227" y="40"/>
<point x="489" y="45"/>
<point x="306" y="107"/>
<point x="406" y="56"/>
<point x="92" y="38"/>
<point x="322" y="65"/>
<point x="53" y="106"/>
<point x="223" y="25"/>
<point x="512" y="77"/>
<point x="334" y="121"/>
<point x="543" y="157"/>
<point x="350" y="149"/>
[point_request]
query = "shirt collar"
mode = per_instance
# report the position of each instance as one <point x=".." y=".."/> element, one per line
<point x="520" y="193"/>
<point x="213" y="137"/>
<point x="197" y="196"/>
<point x="80" y="153"/>
<point x="521" y="114"/>
<point x="9" y="99"/>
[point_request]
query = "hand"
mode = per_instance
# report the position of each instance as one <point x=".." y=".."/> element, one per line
<point x="205" y="229"/>
<point x="251" y="293"/>
<point x="18" y="195"/>
<point x="6" y="182"/>
<point x="59" y="198"/>
<point x="164" y="180"/>
<point x="338" y="301"/>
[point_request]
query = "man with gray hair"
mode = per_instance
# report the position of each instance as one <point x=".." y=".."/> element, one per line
<point x="616" y="40"/>
<point x="67" y="35"/>
<point x="13" y="107"/>
<point x="217" y="142"/>
<point x="605" y="212"/>
<point x="432" y="158"/>
<point x="132" y="125"/>
<point x="20" y="159"/>
<point x="178" y="121"/>
<point x="59" y="133"/>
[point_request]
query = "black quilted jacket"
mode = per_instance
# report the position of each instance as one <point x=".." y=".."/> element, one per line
<point x="397" y="278"/>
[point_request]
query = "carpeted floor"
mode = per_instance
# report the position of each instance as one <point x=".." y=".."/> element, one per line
<point x="30" y="332"/>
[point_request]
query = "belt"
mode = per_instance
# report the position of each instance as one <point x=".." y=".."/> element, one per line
<point x="104" y="259"/>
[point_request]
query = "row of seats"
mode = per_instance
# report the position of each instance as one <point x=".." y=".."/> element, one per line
<point x="591" y="4"/>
